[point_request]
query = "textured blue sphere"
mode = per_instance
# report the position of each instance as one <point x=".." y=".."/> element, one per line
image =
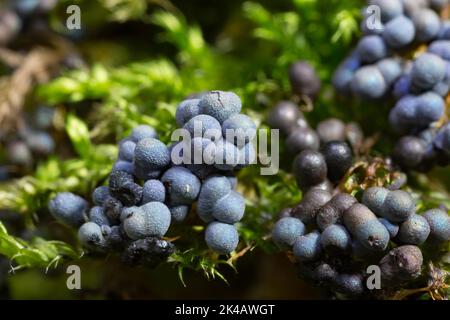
<point x="335" y="237"/>
<point x="368" y="83"/>
<point x="286" y="231"/>
<point x="213" y="189"/>
<point x="414" y="231"/>
<point x="428" y="69"/>
<point x="391" y="227"/>
<point x="186" y="110"/>
<point x="69" y="208"/>
<point x="126" y="150"/>
<point x="182" y="186"/>
<point x="220" y="105"/>
<point x="427" y="24"/>
<point x="179" y="213"/>
<point x="230" y="209"/>
<point x="399" y="32"/>
<point x="439" y="222"/>
<point x="97" y="215"/>
<point x="371" y="49"/>
<point x="307" y="247"/>
<point x="390" y="69"/>
<point x="221" y="237"/>
<point x="143" y="132"/>
<point x="151" y="154"/>
<point x="90" y="235"/>
<point x="153" y="190"/>
<point x="150" y="220"/>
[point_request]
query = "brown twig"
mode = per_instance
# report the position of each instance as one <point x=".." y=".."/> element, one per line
<point x="36" y="67"/>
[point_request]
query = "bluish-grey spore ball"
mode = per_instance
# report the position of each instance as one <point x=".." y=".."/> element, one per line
<point x="150" y="220"/>
<point x="126" y="150"/>
<point x="186" y="110"/>
<point x="409" y="151"/>
<point x="153" y="190"/>
<point x="127" y="212"/>
<point x="239" y="129"/>
<point x="351" y="284"/>
<point x="439" y="222"/>
<point x="221" y="237"/>
<point x="366" y="228"/>
<point x="414" y="231"/>
<point x="90" y="235"/>
<point x="213" y="189"/>
<point x="98" y="216"/>
<point x="284" y="116"/>
<point x="371" y="49"/>
<point x="374" y="198"/>
<point x="391" y="70"/>
<point x="389" y="9"/>
<point x="202" y="125"/>
<point x="123" y="165"/>
<point x="325" y="274"/>
<point x="143" y="132"/>
<point x="220" y="105"/>
<point x="399" y="32"/>
<point x="100" y="194"/>
<point x="430" y="108"/>
<point x="441" y="48"/>
<point x="427" y="24"/>
<point x="151" y="155"/>
<point x="286" y="231"/>
<point x="302" y="139"/>
<point x="230" y="209"/>
<point x="398" y="206"/>
<point x="368" y="83"/>
<point x="404" y="114"/>
<point x="311" y="202"/>
<point x="227" y="156"/>
<point x="335" y="238"/>
<point x="428" y="69"/>
<point x="391" y="227"/>
<point x="331" y="129"/>
<point x="182" y="186"/>
<point x="307" y="247"/>
<point x="444" y="31"/>
<point x="344" y="74"/>
<point x="310" y="169"/>
<point x="179" y="213"/>
<point x="69" y="208"/>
